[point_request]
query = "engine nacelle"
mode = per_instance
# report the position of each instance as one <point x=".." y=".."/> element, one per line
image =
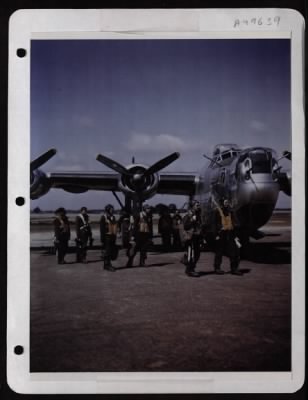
<point x="39" y="184"/>
<point x="285" y="182"/>
<point x="136" y="183"/>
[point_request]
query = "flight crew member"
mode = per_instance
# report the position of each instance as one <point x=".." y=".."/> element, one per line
<point x="62" y="234"/>
<point x="84" y="234"/>
<point x="177" y="225"/>
<point x="165" y="228"/>
<point x="226" y="239"/>
<point x="141" y="233"/>
<point x="108" y="231"/>
<point x="192" y="229"/>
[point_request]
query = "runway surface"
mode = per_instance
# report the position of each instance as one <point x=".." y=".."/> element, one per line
<point x="155" y="318"/>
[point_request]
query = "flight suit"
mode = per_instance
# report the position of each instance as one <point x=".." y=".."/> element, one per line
<point x="84" y="234"/>
<point x="62" y="236"/>
<point x="108" y="232"/>
<point x="225" y="240"/>
<point x="165" y="229"/>
<point x="192" y="226"/>
<point x="177" y="225"/>
<point x="141" y="231"/>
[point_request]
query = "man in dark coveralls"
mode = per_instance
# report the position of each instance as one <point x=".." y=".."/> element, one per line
<point x="177" y="225"/>
<point x="226" y="239"/>
<point x="141" y="234"/>
<point x="84" y="234"/>
<point x="108" y="231"/>
<point x="62" y="234"/>
<point x="165" y="228"/>
<point x="192" y="228"/>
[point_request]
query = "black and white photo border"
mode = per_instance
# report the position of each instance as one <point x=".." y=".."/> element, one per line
<point x="186" y="23"/>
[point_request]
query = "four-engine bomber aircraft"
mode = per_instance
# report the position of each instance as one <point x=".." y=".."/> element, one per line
<point x="250" y="178"/>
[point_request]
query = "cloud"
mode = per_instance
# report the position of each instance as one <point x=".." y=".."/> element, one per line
<point x="159" y="143"/>
<point x="258" y="126"/>
<point x="84" y="121"/>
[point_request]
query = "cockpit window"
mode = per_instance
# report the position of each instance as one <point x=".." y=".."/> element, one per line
<point x="224" y="156"/>
<point x="261" y="161"/>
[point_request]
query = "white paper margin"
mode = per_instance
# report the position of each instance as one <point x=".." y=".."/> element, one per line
<point x="218" y="23"/>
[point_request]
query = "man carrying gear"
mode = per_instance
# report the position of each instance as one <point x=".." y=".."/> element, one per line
<point x="108" y="231"/>
<point x="226" y="239"/>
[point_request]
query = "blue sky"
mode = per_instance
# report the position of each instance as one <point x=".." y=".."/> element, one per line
<point x="148" y="98"/>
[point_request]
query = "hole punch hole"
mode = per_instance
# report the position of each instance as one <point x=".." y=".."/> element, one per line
<point x="21" y="53"/>
<point x="18" y="350"/>
<point x="20" y="201"/>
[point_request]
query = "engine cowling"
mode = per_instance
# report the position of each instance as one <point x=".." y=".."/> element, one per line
<point x="39" y="184"/>
<point x="137" y="183"/>
<point x="285" y="182"/>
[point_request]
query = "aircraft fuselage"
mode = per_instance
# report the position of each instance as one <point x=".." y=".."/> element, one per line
<point x="247" y="178"/>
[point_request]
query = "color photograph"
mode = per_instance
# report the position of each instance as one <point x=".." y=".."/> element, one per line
<point x="160" y="223"/>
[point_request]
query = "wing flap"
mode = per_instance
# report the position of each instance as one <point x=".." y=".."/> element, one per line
<point x="79" y="182"/>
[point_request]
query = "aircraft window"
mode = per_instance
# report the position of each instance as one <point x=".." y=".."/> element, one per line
<point x="226" y="155"/>
<point x="261" y="162"/>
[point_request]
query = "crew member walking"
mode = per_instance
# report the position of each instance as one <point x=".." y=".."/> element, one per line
<point x="108" y="231"/>
<point x="84" y="234"/>
<point x="226" y="239"/>
<point x="62" y="234"/>
<point x="192" y="228"/>
<point x="141" y="232"/>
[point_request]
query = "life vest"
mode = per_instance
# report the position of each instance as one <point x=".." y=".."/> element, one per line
<point x="64" y="227"/>
<point x="143" y="223"/>
<point x="226" y="220"/>
<point x="112" y="225"/>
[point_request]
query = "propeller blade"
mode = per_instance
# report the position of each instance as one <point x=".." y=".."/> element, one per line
<point x="164" y="162"/>
<point x="287" y="154"/>
<point x="38" y="162"/>
<point x="112" y="164"/>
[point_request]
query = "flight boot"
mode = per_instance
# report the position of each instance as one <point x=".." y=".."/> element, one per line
<point x="142" y="262"/>
<point x="109" y="267"/>
<point x="130" y="262"/>
<point x="190" y="271"/>
<point x="234" y="268"/>
<point x="236" y="272"/>
<point x="219" y="271"/>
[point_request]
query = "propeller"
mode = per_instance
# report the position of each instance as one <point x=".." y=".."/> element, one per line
<point x="159" y="165"/>
<point x="287" y="154"/>
<point x="112" y="164"/>
<point x="163" y="163"/>
<point x="38" y="162"/>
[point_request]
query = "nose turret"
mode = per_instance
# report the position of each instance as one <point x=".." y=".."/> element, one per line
<point x="257" y="183"/>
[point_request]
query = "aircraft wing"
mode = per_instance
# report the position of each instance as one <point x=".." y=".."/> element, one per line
<point x="135" y="179"/>
<point x="80" y="182"/>
<point x="181" y="184"/>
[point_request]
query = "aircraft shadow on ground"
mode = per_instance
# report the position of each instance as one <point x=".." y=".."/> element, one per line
<point x="269" y="253"/>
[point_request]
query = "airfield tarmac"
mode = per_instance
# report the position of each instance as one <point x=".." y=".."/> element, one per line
<point x="155" y="318"/>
